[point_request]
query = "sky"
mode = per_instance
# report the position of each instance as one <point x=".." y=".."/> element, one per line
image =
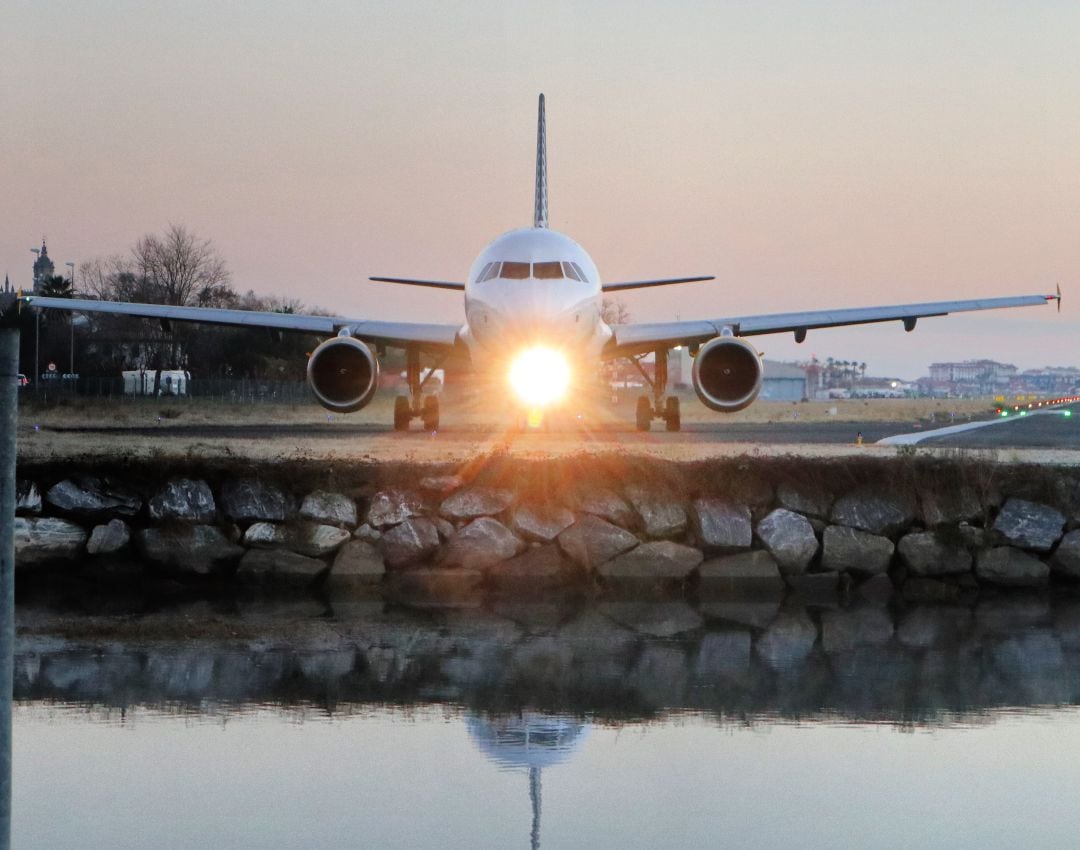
<point x="809" y="155"/>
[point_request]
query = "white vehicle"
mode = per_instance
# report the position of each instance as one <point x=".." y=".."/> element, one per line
<point x="532" y="306"/>
<point x="142" y="382"/>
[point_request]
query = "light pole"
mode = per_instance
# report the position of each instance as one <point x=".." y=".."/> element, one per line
<point x="71" y="320"/>
<point x="37" y="333"/>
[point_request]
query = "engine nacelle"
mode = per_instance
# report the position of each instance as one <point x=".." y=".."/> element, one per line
<point x="343" y="373"/>
<point x="727" y="374"/>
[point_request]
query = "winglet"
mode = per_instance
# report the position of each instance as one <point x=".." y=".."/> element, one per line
<point x="540" y="209"/>
<point x="1059" y="297"/>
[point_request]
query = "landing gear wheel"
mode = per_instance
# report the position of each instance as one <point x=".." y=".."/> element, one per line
<point x="644" y="413"/>
<point x="402" y="413"/>
<point x="431" y="413"/>
<point x="672" y="418"/>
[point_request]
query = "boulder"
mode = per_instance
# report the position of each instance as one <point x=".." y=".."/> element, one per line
<point x="329" y="508"/>
<point x="87" y="497"/>
<point x="436" y="587"/>
<point x="185" y="500"/>
<point x="950" y="506"/>
<point x="441" y="485"/>
<point x="654" y="618"/>
<point x="368" y="534"/>
<point x="720" y="526"/>
<point x="188" y="549"/>
<point x="444" y="527"/>
<point x="391" y="507"/>
<point x="1012" y="567"/>
<point x="537" y="569"/>
<point x="410" y="542"/>
<point x="815" y="588"/>
<point x="1029" y="525"/>
<point x="804" y="499"/>
<point x="662" y="515"/>
<point x="39" y="540"/>
<point x="654" y="561"/>
<point x="475" y="502"/>
<point x="851" y="550"/>
<point x="304" y="538"/>
<point x="790" y="538"/>
<point x="787" y="641"/>
<point x="843" y="631"/>
<point x="357" y="564"/>
<point x="1066" y="560"/>
<point x="745" y="574"/>
<point x="482" y="543"/>
<point x="109" y="538"/>
<point x="876" y="590"/>
<point x="279" y="566"/>
<point x="925" y="554"/>
<point x="919" y="589"/>
<point x="608" y="505"/>
<point x="253" y="500"/>
<point x="755" y="612"/>
<point x="27" y="498"/>
<point x="540" y="523"/>
<point x="591" y="541"/>
<point x="874" y="509"/>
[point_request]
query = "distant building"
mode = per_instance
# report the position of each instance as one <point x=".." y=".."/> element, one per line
<point x="1050" y="380"/>
<point x="968" y="378"/>
<point x="43" y="268"/>
<point x="7" y="286"/>
<point x="784" y="382"/>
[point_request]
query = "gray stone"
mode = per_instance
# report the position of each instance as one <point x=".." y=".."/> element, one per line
<point x="804" y="499"/>
<point x="92" y="498"/>
<point x="329" y="508"/>
<point x="444" y="527"/>
<point x="871" y="509"/>
<point x="608" y="505"/>
<point x="720" y="526"/>
<point x="188" y="549"/>
<point x="435" y="587"/>
<point x="476" y="502"/>
<point x="950" y="506"/>
<point x="787" y="641"/>
<point x="356" y="564"/>
<point x="39" y="540"/>
<point x="790" y="538"/>
<point x="304" y="538"/>
<point x="391" y="507"/>
<point x="745" y="574"/>
<point x="972" y="536"/>
<point x="918" y="589"/>
<point x="1066" y="560"/>
<point x="541" y="523"/>
<point x="753" y="611"/>
<point x="1012" y="567"/>
<point x="410" y="542"/>
<point x="815" y="588"/>
<point x="655" y="618"/>
<point x="662" y="515"/>
<point x="184" y="500"/>
<point x="591" y="541"/>
<point x="843" y="631"/>
<point x="482" y="543"/>
<point x="654" y="561"/>
<point x="851" y="550"/>
<point x="278" y="566"/>
<point x="441" y="485"/>
<point x="27" y="498"/>
<point x="368" y="534"/>
<point x="925" y="554"/>
<point x="1029" y="525"/>
<point x="539" y="568"/>
<point x="876" y="590"/>
<point x="109" y="538"/>
<point x="723" y="655"/>
<point x="253" y="500"/>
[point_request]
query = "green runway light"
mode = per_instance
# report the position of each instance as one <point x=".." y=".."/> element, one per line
<point x="1067" y="413"/>
<point x="1004" y="413"/>
<point x="1023" y="413"/>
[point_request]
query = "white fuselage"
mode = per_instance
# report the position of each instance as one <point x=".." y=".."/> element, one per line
<point x="534" y="286"/>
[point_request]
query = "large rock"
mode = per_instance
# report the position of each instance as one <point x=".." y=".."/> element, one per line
<point x="27" y="498"/>
<point x="482" y="543"/>
<point x="410" y="542"/>
<point x="787" y="641"/>
<point x="109" y="538"/>
<point x="662" y="515"/>
<point x="874" y="509"/>
<point x="850" y="550"/>
<point x="950" y="506"/>
<point x="816" y="588"/>
<point x="188" y="549"/>
<point x="476" y="502"/>
<point x="805" y="499"/>
<point x="747" y="574"/>
<point x="654" y="618"/>
<point x="329" y="508"/>
<point x="279" y="566"/>
<point x="436" y="587"/>
<point x="390" y="507"/>
<point x="843" y="631"/>
<point x="654" y="561"/>
<point x="541" y="523"/>
<point x="539" y="568"/>
<point x="185" y="500"/>
<point x="1012" y="567"/>
<point x="357" y="564"/>
<point x="1066" y="560"/>
<point x="1029" y="525"/>
<point x="47" y="539"/>
<point x="441" y="485"/>
<point x="591" y="541"/>
<point x="608" y="505"/>
<point x="720" y="526"/>
<point x="790" y="538"/>
<point x="253" y="500"/>
<point x="87" y="497"/>
<point x="925" y="554"/>
<point x="304" y="538"/>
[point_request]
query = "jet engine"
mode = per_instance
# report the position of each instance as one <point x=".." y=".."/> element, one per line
<point x="727" y="374"/>
<point x="343" y="373"/>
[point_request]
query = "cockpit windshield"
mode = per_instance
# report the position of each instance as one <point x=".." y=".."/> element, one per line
<point x="553" y="270"/>
<point x="514" y="271"/>
<point x="547" y="271"/>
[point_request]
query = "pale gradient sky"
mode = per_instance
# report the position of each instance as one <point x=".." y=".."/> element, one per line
<point x="809" y="156"/>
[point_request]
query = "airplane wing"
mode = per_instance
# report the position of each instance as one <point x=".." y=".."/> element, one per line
<point x="642" y="284"/>
<point x="636" y="338"/>
<point x="395" y="334"/>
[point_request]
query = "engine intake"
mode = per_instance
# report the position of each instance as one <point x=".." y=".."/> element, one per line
<point x="727" y="374"/>
<point x="343" y="373"/>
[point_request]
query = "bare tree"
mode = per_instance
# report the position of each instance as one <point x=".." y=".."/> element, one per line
<point x="614" y="312"/>
<point x="181" y="269"/>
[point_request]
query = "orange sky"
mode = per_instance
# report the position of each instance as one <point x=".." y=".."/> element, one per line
<point x="808" y="156"/>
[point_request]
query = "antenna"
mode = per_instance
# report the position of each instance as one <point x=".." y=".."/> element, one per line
<point x="540" y="210"/>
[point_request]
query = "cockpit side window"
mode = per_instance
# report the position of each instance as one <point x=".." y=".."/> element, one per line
<point x="547" y="271"/>
<point x="484" y="271"/>
<point x="568" y="271"/>
<point x="490" y="271"/>
<point x="581" y="274"/>
<point x="515" y="271"/>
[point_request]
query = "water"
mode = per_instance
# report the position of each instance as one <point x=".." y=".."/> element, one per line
<point x="608" y="726"/>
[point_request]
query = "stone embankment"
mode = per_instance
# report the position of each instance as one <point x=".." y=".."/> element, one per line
<point x="938" y="531"/>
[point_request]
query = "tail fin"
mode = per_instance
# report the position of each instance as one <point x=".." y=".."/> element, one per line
<point x="540" y="209"/>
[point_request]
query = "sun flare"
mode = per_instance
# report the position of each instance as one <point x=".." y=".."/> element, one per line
<point x="540" y="376"/>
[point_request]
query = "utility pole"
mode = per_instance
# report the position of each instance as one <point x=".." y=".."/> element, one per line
<point x="71" y="320"/>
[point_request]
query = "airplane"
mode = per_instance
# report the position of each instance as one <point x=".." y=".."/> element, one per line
<point x="533" y="319"/>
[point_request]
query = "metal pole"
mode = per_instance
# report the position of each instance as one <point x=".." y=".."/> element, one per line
<point x="9" y="369"/>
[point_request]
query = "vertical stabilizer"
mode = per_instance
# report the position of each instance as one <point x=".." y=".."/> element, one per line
<point x="540" y="210"/>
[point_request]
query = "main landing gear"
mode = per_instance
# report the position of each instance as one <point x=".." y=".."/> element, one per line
<point x="416" y="405"/>
<point x="658" y="407"/>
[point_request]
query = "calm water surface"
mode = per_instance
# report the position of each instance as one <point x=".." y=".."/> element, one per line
<point x="598" y="727"/>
